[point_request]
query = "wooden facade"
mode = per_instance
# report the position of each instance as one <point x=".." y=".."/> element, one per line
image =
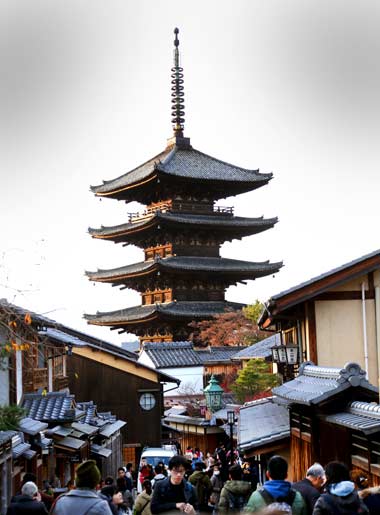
<point x="317" y="416"/>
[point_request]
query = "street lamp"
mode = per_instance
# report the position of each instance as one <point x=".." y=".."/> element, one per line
<point x="231" y="422"/>
<point x="287" y="354"/>
<point x="213" y="393"/>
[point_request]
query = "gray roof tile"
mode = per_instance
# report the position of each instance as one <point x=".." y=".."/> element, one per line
<point x="183" y="354"/>
<point x="32" y="427"/>
<point x="237" y="224"/>
<point x="262" y="422"/>
<point x="218" y="353"/>
<point x="261" y="349"/>
<point x="211" y="265"/>
<point x="326" y="274"/>
<point x="315" y="384"/>
<point x="359" y="416"/>
<point x="54" y="406"/>
<point x="188" y="164"/>
<point x="172" y="354"/>
<point x="190" y="310"/>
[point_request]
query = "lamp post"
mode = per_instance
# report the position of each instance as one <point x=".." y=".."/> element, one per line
<point x="213" y="393"/>
<point x="231" y="422"/>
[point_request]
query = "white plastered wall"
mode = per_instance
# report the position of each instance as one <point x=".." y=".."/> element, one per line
<point x="339" y="326"/>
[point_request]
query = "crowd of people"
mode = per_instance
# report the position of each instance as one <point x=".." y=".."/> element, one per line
<point x="217" y="483"/>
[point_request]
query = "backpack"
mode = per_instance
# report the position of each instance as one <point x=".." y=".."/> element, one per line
<point x="283" y="503"/>
<point x="201" y="491"/>
<point x="330" y="501"/>
<point x="236" y="502"/>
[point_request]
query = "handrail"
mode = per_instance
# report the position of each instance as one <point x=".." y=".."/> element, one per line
<point x="165" y="207"/>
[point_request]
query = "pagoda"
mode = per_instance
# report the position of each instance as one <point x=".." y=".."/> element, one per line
<point x="183" y="278"/>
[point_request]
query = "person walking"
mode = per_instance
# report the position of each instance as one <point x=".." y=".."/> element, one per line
<point x="277" y="491"/>
<point x="142" y="503"/>
<point x="202" y="484"/>
<point x="310" y="487"/>
<point x="340" y="495"/>
<point x="28" y="502"/>
<point x="216" y="487"/>
<point x="174" y="493"/>
<point x="83" y="499"/>
<point x="235" y="493"/>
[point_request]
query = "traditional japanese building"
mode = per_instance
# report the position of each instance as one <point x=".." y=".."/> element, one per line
<point x="183" y="277"/>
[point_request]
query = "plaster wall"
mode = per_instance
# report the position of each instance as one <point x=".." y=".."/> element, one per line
<point x="340" y="339"/>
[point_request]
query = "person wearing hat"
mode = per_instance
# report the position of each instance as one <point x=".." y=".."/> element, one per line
<point x="83" y="500"/>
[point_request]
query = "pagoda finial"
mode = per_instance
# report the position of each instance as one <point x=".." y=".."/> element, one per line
<point x="178" y="106"/>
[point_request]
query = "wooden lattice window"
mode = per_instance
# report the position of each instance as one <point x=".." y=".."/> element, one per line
<point x="360" y="451"/>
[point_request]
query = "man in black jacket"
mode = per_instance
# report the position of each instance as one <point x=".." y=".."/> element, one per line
<point x="28" y="502"/>
<point x="174" y="493"/>
<point x="310" y="487"/>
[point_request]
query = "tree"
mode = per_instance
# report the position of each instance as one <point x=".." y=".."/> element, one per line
<point x="255" y="378"/>
<point x="10" y="417"/>
<point x="231" y="328"/>
<point x="253" y="311"/>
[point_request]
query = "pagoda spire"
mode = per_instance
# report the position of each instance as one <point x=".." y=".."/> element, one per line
<point x="178" y="106"/>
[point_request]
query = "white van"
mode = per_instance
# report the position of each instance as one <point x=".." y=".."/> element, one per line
<point x="153" y="456"/>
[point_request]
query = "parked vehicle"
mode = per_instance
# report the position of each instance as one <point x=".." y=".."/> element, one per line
<point x="154" y="455"/>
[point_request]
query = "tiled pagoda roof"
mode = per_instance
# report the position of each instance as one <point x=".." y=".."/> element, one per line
<point x="195" y="264"/>
<point x="241" y="226"/>
<point x="173" y="310"/>
<point x="184" y="163"/>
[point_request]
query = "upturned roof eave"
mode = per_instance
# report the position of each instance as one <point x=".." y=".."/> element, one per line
<point x="148" y="313"/>
<point x="253" y="271"/>
<point x="158" y="165"/>
<point x="236" y="224"/>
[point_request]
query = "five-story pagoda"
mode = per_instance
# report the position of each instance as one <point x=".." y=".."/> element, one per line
<point x="183" y="277"/>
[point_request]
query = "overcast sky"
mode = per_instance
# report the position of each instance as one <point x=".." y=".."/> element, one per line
<point x="287" y="86"/>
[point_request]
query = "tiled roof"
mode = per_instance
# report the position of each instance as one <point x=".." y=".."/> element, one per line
<point x="183" y="354"/>
<point x="190" y="310"/>
<point x="210" y="265"/>
<point x="262" y="422"/>
<point x="19" y="446"/>
<point x="261" y="349"/>
<point x="240" y="225"/>
<point x="54" y="406"/>
<point x="32" y="427"/>
<point x="315" y="384"/>
<point x="110" y="429"/>
<point x="359" y="416"/>
<point x="70" y="443"/>
<point x="184" y="419"/>
<point x="82" y="340"/>
<point x="6" y="436"/>
<point x="188" y="164"/>
<point x="172" y="354"/>
<point x="218" y="353"/>
<point x="100" y="451"/>
<point x="327" y="274"/>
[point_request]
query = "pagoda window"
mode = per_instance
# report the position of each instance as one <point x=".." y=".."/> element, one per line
<point x="158" y="251"/>
<point x="160" y="296"/>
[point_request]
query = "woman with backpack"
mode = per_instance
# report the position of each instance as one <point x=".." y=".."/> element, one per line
<point x="340" y="497"/>
<point x="142" y="503"/>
